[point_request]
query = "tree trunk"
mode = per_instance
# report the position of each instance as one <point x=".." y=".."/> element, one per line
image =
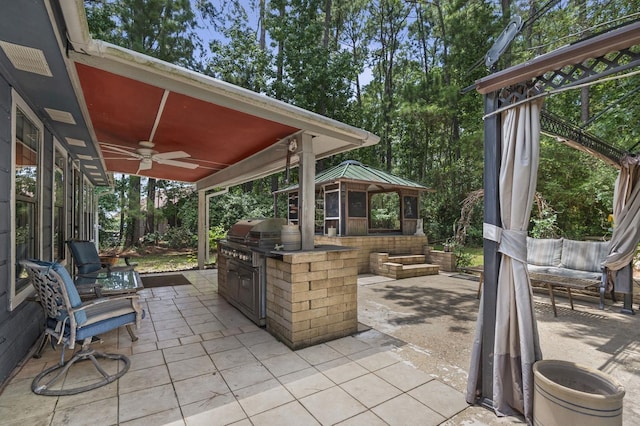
<point x="150" y="223"/>
<point x="263" y="31"/>
<point x="133" y="216"/>
<point x="122" y="208"/>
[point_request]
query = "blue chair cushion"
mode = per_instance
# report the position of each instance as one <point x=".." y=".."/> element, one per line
<point x="72" y="291"/>
<point x="86" y="256"/>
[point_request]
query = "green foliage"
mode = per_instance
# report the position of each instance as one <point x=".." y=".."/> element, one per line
<point x="227" y="209"/>
<point x="545" y="227"/>
<point x="216" y="233"/>
<point x="180" y="237"/>
<point x="385" y="211"/>
<point x="578" y="186"/>
<point x="463" y="257"/>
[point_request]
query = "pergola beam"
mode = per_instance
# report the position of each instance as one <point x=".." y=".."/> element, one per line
<point x="595" y="47"/>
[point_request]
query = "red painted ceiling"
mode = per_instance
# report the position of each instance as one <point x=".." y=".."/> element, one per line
<point x="123" y="112"/>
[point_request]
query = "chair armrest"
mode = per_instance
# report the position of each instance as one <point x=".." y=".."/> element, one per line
<point x="102" y="300"/>
<point x="95" y="274"/>
<point x="88" y="289"/>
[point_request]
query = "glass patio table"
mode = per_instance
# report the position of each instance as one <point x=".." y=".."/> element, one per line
<point x="109" y="283"/>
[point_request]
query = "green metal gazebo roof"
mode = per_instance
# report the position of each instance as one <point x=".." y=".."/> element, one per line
<point x="352" y="170"/>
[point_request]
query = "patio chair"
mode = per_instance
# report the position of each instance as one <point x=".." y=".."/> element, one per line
<point x="87" y="259"/>
<point x="69" y="321"/>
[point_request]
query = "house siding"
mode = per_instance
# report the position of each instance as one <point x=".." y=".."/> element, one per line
<point x="19" y="328"/>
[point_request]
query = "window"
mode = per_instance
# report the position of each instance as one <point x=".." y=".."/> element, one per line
<point x="410" y="207"/>
<point x="59" y="198"/>
<point x="27" y="142"/>
<point x="87" y="210"/>
<point x="385" y="211"/>
<point x="357" y="204"/>
<point x="77" y="206"/>
<point x="332" y="205"/>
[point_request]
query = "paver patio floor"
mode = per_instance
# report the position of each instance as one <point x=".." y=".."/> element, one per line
<point x="199" y="361"/>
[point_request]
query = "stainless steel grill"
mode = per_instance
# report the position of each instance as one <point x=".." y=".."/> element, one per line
<point x="263" y="233"/>
<point x="242" y="261"/>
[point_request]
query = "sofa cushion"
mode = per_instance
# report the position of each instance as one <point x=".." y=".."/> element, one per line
<point x="544" y="252"/>
<point x="584" y="255"/>
<point x="539" y="269"/>
<point x="574" y="273"/>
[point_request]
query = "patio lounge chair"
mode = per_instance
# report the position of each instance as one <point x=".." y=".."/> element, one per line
<point x="87" y="259"/>
<point x="69" y="321"/>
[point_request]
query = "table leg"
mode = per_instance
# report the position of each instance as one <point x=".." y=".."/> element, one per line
<point x="570" y="298"/>
<point x="553" y="299"/>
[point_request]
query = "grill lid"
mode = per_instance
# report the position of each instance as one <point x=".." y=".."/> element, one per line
<point x="253" y="231"/>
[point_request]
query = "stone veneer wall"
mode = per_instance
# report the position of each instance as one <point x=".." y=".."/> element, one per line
<point x="392" y="244"/>
<point x="312" y="296"/>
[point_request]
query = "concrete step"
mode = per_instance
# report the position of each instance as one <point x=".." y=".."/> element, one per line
<point x="398" y="270"/>
<point x="408" y="259"/>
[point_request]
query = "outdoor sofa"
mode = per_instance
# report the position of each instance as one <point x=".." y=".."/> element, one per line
<point x="580" y="260"/>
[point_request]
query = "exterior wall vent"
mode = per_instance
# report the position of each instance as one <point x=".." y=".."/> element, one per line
<point x="60" y="116"/>
<point x="26" y="58"/>
<point x="76" y="142"/>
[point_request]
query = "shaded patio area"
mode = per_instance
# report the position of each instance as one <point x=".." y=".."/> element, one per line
<point x="199" y="361"/>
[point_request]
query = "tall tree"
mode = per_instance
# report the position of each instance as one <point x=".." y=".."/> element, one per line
<point x="388" y="28"/>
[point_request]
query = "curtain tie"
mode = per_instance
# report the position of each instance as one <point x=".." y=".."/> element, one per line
<point x="491" y="232"/>
<point x="514" y="244"/>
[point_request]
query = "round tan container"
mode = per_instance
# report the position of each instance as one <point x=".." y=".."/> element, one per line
<point x="569" y="394"/>
<point x="290" y="236"/>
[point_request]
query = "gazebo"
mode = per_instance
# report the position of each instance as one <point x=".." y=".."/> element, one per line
<point x="347" y="198"/>
<point x="347" y="194"/>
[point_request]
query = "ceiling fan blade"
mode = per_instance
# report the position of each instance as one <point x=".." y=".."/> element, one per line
<point x="174" y="163"/>
<point x="170" y="155"/>
<point x="119" y="158"/>
<point x="114" y="149"/>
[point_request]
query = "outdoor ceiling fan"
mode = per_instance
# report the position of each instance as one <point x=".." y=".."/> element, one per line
<point x="147" y="155"/>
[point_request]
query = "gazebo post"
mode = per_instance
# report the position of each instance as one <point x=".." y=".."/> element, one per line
<point x="306" y="200"/>
<point x="492" y="155"/>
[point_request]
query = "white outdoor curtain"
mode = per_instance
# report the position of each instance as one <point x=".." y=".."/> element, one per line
<point x="626" y="215"/>
<point x="517" y="345"/>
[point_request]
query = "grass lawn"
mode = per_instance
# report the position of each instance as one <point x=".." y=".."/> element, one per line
<point x="165" y="261"/>
<point x="476" y="255"/>
<point x="174" y="260"/>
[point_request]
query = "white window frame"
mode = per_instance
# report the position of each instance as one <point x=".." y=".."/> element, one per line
<point x="57" y="146"/>
<point x="15" y="299"/>
<point x="88" y="191"/>
<point x="76" y="177"/>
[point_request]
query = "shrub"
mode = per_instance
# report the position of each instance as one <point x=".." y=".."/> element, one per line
<point x="216" y="233"/>
<point x="180" y="237"/>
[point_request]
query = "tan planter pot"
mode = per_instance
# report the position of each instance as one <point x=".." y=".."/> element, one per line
<point x="569" y="394"/>
<point x="290" y="236"/>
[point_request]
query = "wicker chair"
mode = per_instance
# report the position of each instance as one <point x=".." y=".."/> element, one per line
<point x="70" y="321"/>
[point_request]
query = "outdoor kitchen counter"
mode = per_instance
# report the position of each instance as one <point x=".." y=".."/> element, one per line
<point x="312" y="294"/>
